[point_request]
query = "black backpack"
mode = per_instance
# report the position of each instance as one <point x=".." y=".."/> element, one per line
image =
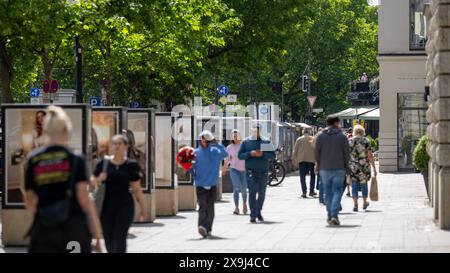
<point x="57" y="213"/>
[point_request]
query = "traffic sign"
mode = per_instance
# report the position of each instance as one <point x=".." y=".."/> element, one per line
<point x="34" y="100"/>
<point x="311" y="100"/>
<point x="103" y="103"/>
<point x="232" y="98"/>
<point x="34" y="92"/>
<point x="46" y="86"/>
<point x="54" y="86"/>
<point x="317" y="110"/>
<point x="94" y="101"/>
<point x="136" y="104"/>
<point x="223" y="100"/>
<point x="223" y="90"/>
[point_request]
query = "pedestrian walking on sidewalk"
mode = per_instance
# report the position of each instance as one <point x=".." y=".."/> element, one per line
<point x="320" y="186"/>
<point x="304" y="157"/>
<point x="361" y="159"/>
<point x="332" y="156"/>
<point x="205" y="171"/>
<point x="119" y="173"/>
<point x="56" y="183"/>
<point x="256" y="152"/>
<point x="237" y="172"/>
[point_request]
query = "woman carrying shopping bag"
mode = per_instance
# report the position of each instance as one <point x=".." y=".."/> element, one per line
<point x="361" y="159"/>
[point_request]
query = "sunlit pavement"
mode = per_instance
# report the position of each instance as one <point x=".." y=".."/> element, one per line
<point x="400" y="222"/>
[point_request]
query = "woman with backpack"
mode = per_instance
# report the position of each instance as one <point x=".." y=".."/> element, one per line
<point x="119" y="174"/>
<point x="56" y="183"/>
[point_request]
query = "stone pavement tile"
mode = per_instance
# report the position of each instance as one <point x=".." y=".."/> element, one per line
<point x="416" y="240"/>
<point x="439" y="238"/>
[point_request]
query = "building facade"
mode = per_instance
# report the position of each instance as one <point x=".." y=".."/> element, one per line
<point x="438" y="114"/>
<point x="402" y="58"/>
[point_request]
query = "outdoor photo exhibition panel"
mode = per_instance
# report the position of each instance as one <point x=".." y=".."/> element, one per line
<point x="22" y="133"/>
<point x="140" y="133"/>
<point x="165" y="143"/>
<point x="106" y="122"/>
<point x="184" y="128"/>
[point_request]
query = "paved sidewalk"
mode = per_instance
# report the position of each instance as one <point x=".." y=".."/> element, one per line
<point x="400" y="222"/>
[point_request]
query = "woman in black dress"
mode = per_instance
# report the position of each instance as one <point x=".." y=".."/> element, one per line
<point x="56" y="185"/>
<point x="119" y="173"/>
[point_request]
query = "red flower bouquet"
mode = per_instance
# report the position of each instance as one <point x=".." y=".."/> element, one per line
<point x="185" y="157"/>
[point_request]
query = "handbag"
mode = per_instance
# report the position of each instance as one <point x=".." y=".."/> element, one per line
<point x="58" y="212"/>
<point x="374" y="189"/>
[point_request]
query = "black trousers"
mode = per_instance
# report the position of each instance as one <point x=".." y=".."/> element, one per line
<point x="206" y="199"/>
<point x="72" y="236"/>
<point x="116" y="221"/>
<point x="304" y="169"/>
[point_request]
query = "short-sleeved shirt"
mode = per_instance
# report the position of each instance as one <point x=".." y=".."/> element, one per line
<point x="359" y="159"/>
<point x="117" y="183"/>
<point x="50" y="171"/>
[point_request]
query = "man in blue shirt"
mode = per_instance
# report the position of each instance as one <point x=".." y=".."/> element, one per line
<point x="256" y="152"/>
<point x="205" y="171"/>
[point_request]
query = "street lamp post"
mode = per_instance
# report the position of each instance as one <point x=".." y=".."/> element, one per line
<point x="79" y="62"/>
<point x="308" y="106"/>
<point x="216" y="92"/>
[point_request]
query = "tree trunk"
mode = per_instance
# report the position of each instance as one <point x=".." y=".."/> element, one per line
<point x="108" y="72"/>
<point x="6" y="73"/>
<point x="47" y="63"/>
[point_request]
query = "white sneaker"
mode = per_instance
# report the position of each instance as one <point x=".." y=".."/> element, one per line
<point x="202" y="230"/>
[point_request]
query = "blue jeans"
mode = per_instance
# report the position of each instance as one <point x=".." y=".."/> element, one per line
<point x="239" y="181"/>
<point x="321" y="191"/>
<point x="304" y="169"/>
<point x="257" y="184"/>
<point x="333" y="182"/>
<point x="356" y="186"/>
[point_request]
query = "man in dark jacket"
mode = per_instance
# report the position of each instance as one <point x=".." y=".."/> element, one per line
<point x="332" y="156"/>
<point x="256" y="152"/>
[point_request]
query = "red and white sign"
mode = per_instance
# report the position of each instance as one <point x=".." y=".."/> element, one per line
<point x="46" y="86"/>
<point x="311" y="100"/>
<point x="54" y="86"/>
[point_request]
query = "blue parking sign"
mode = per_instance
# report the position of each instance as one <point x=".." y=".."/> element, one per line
<point x="95" y="101"/>
<point x="34" y="92"/>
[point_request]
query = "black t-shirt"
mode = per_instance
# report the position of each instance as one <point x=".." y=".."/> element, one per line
<point x="118" y="180"/>
<point x="49" y="173"/>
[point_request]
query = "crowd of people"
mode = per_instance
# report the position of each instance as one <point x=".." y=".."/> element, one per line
<point x="57" y="182"/>
<point x="340" y="161"/>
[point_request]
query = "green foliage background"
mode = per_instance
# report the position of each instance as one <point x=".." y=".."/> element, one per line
<point x="172" y="50"/>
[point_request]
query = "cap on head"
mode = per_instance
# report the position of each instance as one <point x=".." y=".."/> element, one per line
<point x="207" y="135"/>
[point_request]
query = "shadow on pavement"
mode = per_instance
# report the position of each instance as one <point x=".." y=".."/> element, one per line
<point x="267" y="223"/>
<point x="131" y="236"/>
<point x="212" y="237"/>
<point x="148" y="224"/>
<point x="172" y="217"/>
<point x="370" y="210"/>
<point x="344" y="226"/>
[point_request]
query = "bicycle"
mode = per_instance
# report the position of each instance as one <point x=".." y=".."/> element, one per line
<point x="277" y="172"/>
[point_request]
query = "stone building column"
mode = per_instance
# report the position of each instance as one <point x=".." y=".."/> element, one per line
<point x="438" y="114"/>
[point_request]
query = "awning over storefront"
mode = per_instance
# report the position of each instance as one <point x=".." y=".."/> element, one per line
<point x="372" y="115"/>
<point x="367" y="113"/>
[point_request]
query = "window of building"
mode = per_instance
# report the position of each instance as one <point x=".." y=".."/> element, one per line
<point x="418" y="25"/>
<point x="412" y="125"/>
